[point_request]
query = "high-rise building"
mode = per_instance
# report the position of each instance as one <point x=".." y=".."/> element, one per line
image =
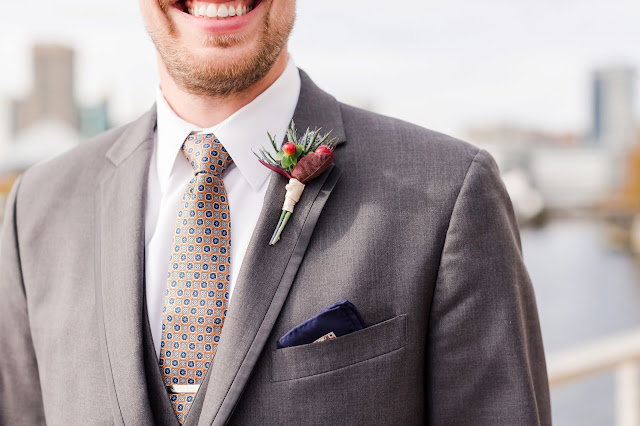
<point x="52" y="95"/>
<point x="613" y="108"/>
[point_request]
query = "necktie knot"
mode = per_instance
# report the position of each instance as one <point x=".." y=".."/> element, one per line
<point x="206" y="154"/>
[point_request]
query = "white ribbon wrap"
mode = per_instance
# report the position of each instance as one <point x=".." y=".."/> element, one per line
<point x="294" y="191"/>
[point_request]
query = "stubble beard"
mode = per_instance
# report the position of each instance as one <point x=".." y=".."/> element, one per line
<point x="198" y="77"/>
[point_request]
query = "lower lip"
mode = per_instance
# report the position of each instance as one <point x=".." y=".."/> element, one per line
<point x="220" y="26"/>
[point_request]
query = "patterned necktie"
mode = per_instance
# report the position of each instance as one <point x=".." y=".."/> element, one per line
<point x="197" y="295"/>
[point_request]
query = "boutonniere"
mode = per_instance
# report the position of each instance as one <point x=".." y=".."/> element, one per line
<point x="301" y="160"/>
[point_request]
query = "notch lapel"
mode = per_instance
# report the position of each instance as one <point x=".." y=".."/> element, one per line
<point x="268" y="272"/>
<point x="120" y="208"/>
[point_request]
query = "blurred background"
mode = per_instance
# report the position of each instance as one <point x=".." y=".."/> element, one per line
<point x="548" y="87"/>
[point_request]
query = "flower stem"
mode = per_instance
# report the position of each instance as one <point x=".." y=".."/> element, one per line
<point x="273" y="237"/>
<point x="284" y="218"/>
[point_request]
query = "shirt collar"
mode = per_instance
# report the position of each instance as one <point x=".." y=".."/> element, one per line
<point x="243" y="132"/>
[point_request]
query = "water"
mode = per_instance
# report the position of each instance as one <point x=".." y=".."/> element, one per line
<point x="585" y="290"/>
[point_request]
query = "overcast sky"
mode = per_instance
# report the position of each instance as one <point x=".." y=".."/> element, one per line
<point x="443" y="64"/>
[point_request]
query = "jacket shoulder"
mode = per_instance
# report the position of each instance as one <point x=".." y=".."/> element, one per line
<point x="415" y="147"/>
<point x="87" y="154"/>
<point x="81" y="165"/>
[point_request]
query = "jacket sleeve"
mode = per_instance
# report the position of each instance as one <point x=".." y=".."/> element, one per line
<point x="20" y="394"/>
<point x="484" y="357"/>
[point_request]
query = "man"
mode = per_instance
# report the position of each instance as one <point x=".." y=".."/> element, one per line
<point x="105" y="248"/>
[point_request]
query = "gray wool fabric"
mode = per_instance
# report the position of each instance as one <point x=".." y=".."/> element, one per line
<point x="413" y="227"/>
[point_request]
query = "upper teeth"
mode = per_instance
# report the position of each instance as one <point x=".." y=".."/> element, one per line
<point x="211" y="10"/>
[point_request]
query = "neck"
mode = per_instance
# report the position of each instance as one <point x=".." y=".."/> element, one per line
<point x="207" y="111"/>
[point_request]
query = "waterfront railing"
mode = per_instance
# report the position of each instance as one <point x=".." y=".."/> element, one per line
<point x="619" y="353"/>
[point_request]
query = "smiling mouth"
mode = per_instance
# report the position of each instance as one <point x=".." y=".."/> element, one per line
<point x="223" y="10"/>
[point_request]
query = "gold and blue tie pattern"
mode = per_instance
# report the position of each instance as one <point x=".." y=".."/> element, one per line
<point x="197" y="294"/>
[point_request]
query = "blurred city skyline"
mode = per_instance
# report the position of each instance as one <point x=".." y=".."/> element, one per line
<point x="446" y="66"/>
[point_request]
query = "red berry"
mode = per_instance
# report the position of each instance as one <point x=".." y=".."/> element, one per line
<point x="289" y="148"/>
<point x="323" y="149"/>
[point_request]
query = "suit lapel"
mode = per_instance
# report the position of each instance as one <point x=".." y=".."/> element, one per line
<point x="267" y="272"/>
<point x="120" y="209"/>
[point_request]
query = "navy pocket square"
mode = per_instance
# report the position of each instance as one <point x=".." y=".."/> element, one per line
<point x="337" y="320"/>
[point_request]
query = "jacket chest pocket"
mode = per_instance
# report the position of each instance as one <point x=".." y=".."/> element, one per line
<point x="317" y="358"/>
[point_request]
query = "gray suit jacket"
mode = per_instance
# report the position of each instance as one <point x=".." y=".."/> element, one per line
<point x="414" y="227"/>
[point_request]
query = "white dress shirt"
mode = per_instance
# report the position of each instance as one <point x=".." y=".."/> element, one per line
<point x="245" y="180"/>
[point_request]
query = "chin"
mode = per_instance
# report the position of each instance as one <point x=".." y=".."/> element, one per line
<point x="218" y="48"/>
